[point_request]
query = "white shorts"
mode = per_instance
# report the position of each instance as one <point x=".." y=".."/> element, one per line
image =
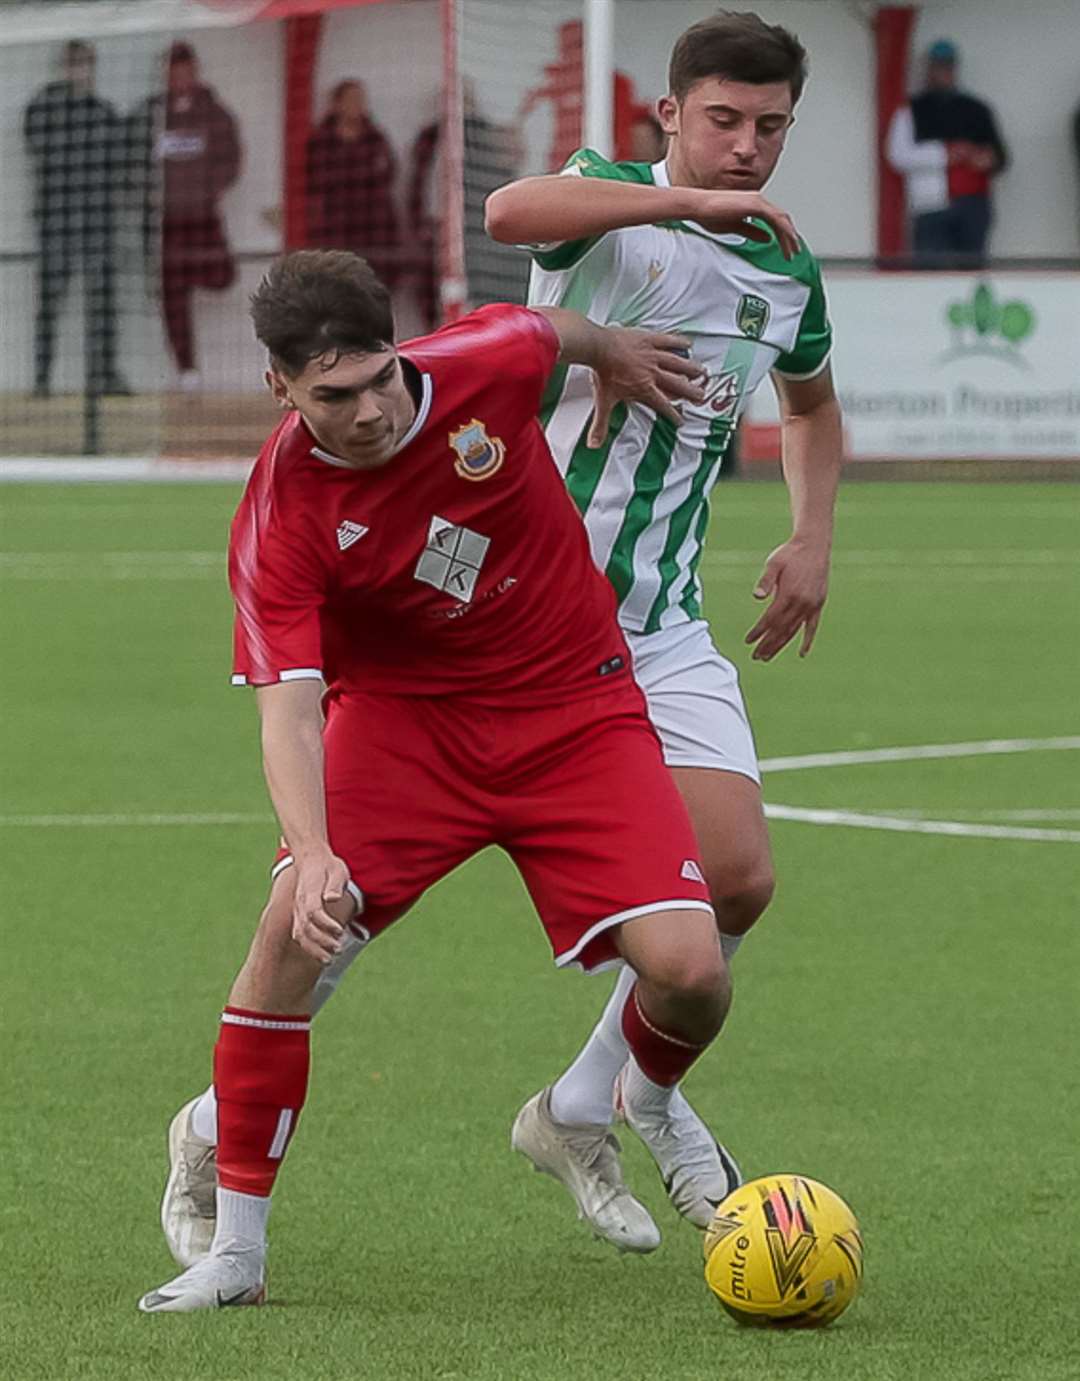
<point x="694" y="700"/>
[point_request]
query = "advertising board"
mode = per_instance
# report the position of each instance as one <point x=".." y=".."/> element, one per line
<point x="951" y="366"/>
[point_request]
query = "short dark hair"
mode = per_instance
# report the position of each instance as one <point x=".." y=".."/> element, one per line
<point x="739" y="47"/>
<point x="181" y="52"/>
<point x="317" y="302"/>
<point x="76" y="48"/>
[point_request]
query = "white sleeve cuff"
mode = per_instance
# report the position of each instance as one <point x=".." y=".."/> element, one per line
<point x="810" y="374"/>
<point x="291" y="674"/>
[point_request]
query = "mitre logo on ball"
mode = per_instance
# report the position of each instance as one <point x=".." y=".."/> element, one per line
<point x="478" y="455"/>
<point x="784" y="1251"/>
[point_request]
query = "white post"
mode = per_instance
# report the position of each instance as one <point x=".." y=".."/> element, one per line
<point x="453" y="281"/>
<point x="599" y="96"/>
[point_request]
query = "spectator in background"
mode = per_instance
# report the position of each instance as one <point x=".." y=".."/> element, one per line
<point x="493" y="157"/>
<point x="75" y="150"/>
<point x="947" y="147"/>
<point x="186" y="142"/>
<point x="423" y="194"/>
<point x="350" y="184"/>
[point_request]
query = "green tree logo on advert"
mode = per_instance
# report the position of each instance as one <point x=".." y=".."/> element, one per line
<point x="983" y="325"/>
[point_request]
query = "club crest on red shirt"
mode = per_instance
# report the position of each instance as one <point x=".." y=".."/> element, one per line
<point x="478" y="455"/>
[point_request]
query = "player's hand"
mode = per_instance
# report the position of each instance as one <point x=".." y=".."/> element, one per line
<point x="796" y="578"/>
<point x="649" y="367"/>
<point x="321" y="879"/>
<point x="728" y="213"/>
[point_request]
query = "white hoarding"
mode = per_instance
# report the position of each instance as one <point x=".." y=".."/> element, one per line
<point x="955" y="365"/>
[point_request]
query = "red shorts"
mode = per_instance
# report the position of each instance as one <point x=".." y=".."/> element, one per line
<point x="577" y="795"/>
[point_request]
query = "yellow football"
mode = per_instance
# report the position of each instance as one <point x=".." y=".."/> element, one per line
<point x="784" y="1251"/>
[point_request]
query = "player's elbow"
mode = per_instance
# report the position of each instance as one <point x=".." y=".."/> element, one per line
<point x="504" y="220"/>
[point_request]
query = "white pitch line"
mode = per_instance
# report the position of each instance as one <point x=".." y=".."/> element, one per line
<point x="118" y="558"/>
<point x="93" y="508"/>
<point x="40" y="575"/>
<point x="210" y="818"/>
<point x="1056" y="504"/>
<point x="858" y="820"/>
<point x="907" y="558"/>
<point x="977" y="575"/>
<point x="855" y="819"/>
<point x="920" y="557"/>
<point x="38" y="469"/>
<point x="911" y="813"/>
<point x="918" y="752"/>
<point x="112" y="565"/>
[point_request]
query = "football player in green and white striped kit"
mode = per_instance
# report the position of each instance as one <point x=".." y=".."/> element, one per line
<point x="672" y="247"/>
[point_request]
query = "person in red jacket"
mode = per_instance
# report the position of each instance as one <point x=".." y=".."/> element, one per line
<point x="350" y="184"/>
<point x="191" y="154"/>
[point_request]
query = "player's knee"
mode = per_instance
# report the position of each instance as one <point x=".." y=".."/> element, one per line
<point x="275" y="923"/>
<point x="690" y="995"/>
<point x="691" y="976"/>
<point x="741" y="891"/>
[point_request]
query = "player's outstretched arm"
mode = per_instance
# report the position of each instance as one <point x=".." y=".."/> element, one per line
<point x="628" y="365"/>
<point x="796" y="574"/>
<point x="293" y="764"/>
<point x="539" y="210"/>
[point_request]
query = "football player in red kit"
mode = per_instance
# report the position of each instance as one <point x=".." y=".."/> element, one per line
<point x="437" y="668"/>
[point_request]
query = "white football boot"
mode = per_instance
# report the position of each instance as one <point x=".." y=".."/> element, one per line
<point x="585" y="1158"/>
<point x="698" y="1172"/>
<point x="189" y="1206"/>
<point x="216" y="1282"/>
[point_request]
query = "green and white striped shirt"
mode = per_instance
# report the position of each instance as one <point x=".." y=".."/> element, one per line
<point x="644" y="494"/>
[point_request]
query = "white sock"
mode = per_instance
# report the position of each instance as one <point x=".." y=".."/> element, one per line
<point x="643" y="1095"/>
<point x="729" y="944"/>
<point x="586" y="1092"/>
<point x="328" y="980"/>
<point x="241" y="1222"/>
<point x="204" y="1117"/>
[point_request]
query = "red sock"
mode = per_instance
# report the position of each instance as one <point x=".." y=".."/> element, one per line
<point x="662" y="1057"/>
<point x="260" y="1078"/>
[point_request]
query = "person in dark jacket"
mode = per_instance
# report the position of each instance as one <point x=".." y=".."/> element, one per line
<point x="187" y="144"/>
<point x="350" y="184"/>
<point x="75" y="151"/>
<point x="493" y="156"/>
<point x="947" y="147"/>
<point x="424" y="223"/>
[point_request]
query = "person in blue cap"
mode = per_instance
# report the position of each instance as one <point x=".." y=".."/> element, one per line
<point x="947" y="147"/>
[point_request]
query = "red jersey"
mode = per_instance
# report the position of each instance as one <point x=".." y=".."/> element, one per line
<point x="459" y="567"/>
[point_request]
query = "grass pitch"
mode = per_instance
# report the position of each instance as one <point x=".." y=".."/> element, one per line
<point x="905" y="1025"/>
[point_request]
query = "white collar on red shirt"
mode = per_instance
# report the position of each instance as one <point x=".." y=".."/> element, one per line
<point x="417" y="424"/>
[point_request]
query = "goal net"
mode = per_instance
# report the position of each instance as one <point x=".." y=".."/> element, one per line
<point x="158" y="154"/>
<point x="141" y="201"/>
